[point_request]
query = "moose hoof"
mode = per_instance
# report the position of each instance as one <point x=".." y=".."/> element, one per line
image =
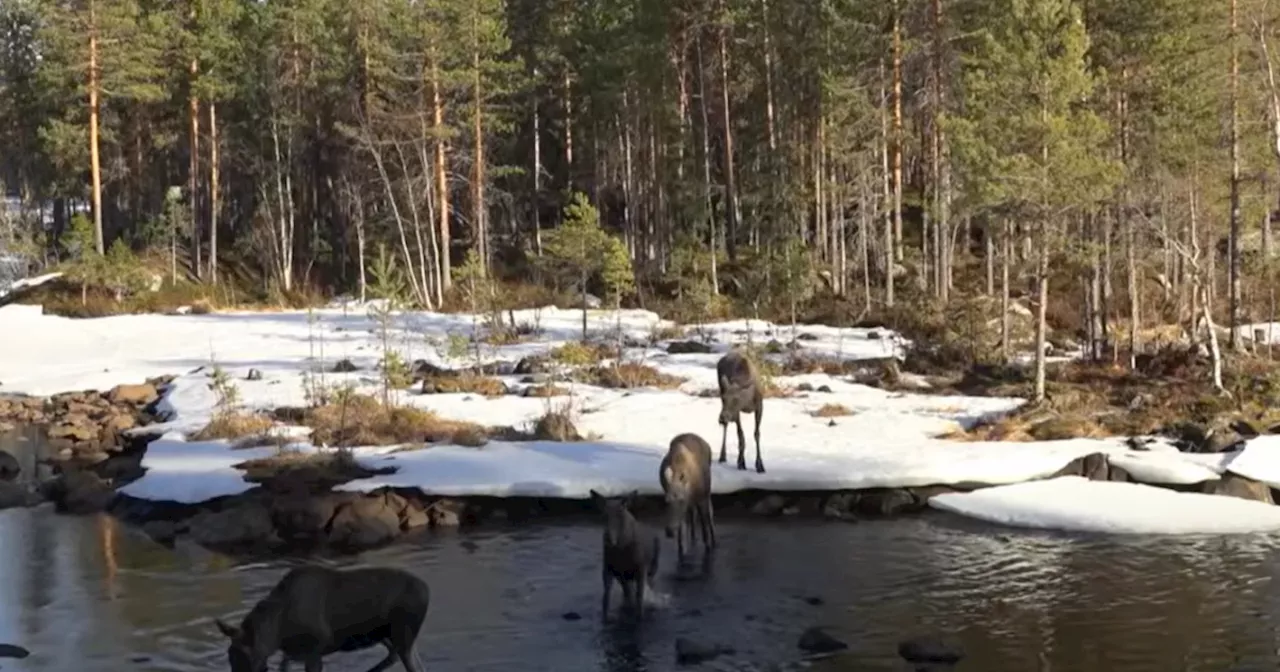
<point x="759" y="467"/>
<point x="722" y="458"/>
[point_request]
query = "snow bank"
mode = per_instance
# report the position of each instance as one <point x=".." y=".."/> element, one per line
<point x="889" y="440"/>
<point x="1076" y="504"/>
<point x="28" y="282"/>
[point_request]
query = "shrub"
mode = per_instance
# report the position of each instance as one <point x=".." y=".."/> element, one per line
<point x="465" y="383"/>
<point x="831" y="411"/>
<point x="574" y="353"/>
<point x="362" y="421"/>
<point x="234" y="426"/>
<point x="630" y="376"/>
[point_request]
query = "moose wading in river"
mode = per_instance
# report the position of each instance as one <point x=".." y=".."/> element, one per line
<point x="685" y="475"/>
<point x="740" y="392"/>
<point x="630" y="552"/>
<point x="315" y="611"/>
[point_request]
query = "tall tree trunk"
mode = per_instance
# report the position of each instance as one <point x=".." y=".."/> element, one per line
<point x="1006" y="242"/>
<point x="214" y="203"/>
<point x="95" y="163"/>
<point x="1233" y="252"/>
<point x="441" y="173"/>
<point x="898" y="251"/>
<point x="193" y="166"/>
<point x="478" y="214"/>
<point x="706" y="169"/>
<point x="770" y="124"/>
<point x="537" y="171"/>
<point x="887" y="199"/>
<point x="1042" y="306"/>
<point x="568" y="128"/>
<point x="730" y="181"/>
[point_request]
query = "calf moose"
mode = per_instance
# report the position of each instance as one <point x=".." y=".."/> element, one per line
<point x="315" y="611"/>
<point x="740" y="392"/>
<point x="631" y="552"/>
<point x="685" y="475"/>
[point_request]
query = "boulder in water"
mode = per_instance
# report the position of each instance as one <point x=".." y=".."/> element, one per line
<point x="929" y="650"/>
<point x="817" y="641"/>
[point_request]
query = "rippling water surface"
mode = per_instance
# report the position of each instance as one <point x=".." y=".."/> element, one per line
<point x="89" y="594"/>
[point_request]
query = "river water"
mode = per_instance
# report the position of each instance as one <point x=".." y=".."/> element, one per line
<point x="90" y="594"/>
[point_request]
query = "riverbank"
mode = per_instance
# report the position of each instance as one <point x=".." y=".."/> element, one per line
<point x="845" y="433"/>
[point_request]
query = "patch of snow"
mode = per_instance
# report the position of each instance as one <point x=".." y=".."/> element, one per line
<point x="1072" y="503"/>
<point x="29" y="282"/>
<point x="1259" y="460"/>
<point x="890" y="439"/>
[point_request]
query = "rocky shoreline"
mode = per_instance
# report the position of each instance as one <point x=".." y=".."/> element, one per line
<point x="93" y="453"/>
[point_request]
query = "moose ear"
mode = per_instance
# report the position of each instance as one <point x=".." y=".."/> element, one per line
<point x="228" y="630"/>
<point x="596" y="498"/>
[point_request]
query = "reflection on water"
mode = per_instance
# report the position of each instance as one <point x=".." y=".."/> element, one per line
<point x="89" y="594"/>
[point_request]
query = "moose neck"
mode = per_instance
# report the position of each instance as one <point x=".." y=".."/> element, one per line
<point x="262" y="627"/>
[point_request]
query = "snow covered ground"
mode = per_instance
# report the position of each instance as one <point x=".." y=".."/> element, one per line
<point x="890" y="440"/>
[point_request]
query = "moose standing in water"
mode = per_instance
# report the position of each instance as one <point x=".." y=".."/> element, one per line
<point x="685" y="475"/>
<point x="314" y="611"/>
<point x="631" y="552"/>
<point x="740" y="392"/>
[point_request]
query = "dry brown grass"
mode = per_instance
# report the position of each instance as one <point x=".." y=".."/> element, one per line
<point x="465" y="383"/>
<point x="364" y="421"/>
<point x="236" y="426"/>
<point x="831" y="411"/>
<point x="315" y="469"/>
<point x="666" y="332"/>
<point x="575" y="353"/>
<point x="630" y="376"/>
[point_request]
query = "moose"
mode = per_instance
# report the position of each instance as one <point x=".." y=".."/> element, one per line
<point x="631" y="552"/>
<point x="740" y="392"/>
<point x="685" y="475"/>
<point x="315" y="611"/>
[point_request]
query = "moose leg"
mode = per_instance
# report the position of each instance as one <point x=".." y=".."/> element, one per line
<point x="312" y="664"/>
<point x="759" y="462"/>
<point x="708" y="524"/>
<point x="639" y="600"/>
<point x="724" y="439"/>
<point x="608" y="588"/>
<point x="692" y="518"/>
<point x="742" y="445"/>
<point x="680" y="540"/>
<point x="392" y="655"/>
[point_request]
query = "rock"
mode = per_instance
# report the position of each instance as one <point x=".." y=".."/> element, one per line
<point x="138" y="395"/>
<point x="839" y="505"/>
<point x="345" y="366"/>
<point x="113" y="429"/>
<point x="806" y="336"/>
<point x="929" y="650"/>
<point x="531" y="365"/>
<point x="688" y="348"/>
<point x="886" y="502"/>
<point x="1234" y="485"/>
<point x="303" y="517"/>
<point x="163" y="532"/>
<point x="74" y="428"/>
<point x="445" y="513"/>
<point x="817" y="641"/>
<point x="364" y="523"/>
<point x="769" y="505"/>
<point x="9" y="467"/>
<point x="814" y="601"/>
<point x="246" y="524"/>
<point x="1093" y="466"/>
<point x="413" y="518"/>
<point x="13" y="651"/>
<point x="16" y="495"/>
<point x="689" y="652"/>
<point x="253" y="374"/>
<point x="79" y="492"/>
<point x="421" y="368"/>
<point x="804" y="387"/>
<point x="824" y="388"/>
<point x="1118" y="474"/>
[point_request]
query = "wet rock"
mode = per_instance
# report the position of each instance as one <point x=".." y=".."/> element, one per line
<point x="839" y="505"/>
<point x="886" y="502"/>
<point x="531" y="365"/>
<point x="74" y="428"/>
<point x="824" y="388"/>
<point x="929" y="650"/>
<point x="690" y="652"/>
<point x="246" y="524"/>
<point x="16" y="495"/>
<point x="1118" y="475"/>
<point x="345" y="366"/>
<point x="571" y="616"/>
<point x="769" y="505"/>
<point x="445" y="513"/>
<point x="413" y="518"/>
<point x="113" y="428"/>
<point x="817" y="641"/>
<point x="421" y="368"/>
<point x="688" y="348"/>
<point x="13" y="651"/>
<point x="303" y="517"/>
<point x="138" y="395"/>
<point x="163" y="532"/>
<point x="814" y="601"/>
<point x="253" y="374"/>
<point x="364" y="523"/>
<point x="1234" y="485"/>
<point x="9" y="467"/>
<point x="804" y="387"/>
<point x="78" y="492"/>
